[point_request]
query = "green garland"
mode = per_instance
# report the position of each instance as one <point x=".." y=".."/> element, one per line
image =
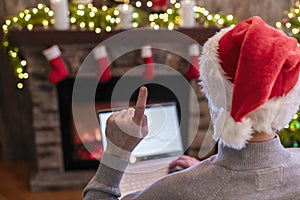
<point x="290" y="24"/>
<point x="170" y="18"/>
<point x="96" y="19"/>
<point x="290" y="135"/>
<point x="39" y="16"/>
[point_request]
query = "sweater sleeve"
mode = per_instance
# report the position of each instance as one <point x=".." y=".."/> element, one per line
<point x="105" y="183"/>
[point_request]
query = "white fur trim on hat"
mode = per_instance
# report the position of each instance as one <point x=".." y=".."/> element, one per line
<point x="52" y="52"/>
<point x="268" y="118"/>
<point x="146" y="51"/>
<point x="233" y="134"/>
<point x="100" y="52"/>
<point x="194" y="50"/>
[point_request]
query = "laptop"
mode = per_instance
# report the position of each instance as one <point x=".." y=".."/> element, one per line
<point x="150" y="159"/>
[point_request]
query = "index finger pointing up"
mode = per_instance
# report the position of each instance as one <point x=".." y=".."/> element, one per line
<point x="140" y="105"/>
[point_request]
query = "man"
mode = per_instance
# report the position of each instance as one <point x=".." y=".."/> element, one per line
<point x="258" y="68"/>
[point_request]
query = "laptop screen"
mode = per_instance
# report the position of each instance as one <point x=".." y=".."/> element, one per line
<point x="164" y="137"/>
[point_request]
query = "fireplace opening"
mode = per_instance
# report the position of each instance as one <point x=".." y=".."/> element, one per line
<point x="75" y="153"/>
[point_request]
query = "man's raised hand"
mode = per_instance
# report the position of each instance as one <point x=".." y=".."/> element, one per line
<point x="125" y="129"/>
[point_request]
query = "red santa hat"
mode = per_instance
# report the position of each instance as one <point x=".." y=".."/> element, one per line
<point x="250" y="75"/>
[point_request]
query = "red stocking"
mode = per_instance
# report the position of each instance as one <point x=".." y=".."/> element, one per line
<point x="100" y="54"/>
<point x="148" y="60"/>
<point x="59" y="71"/>
<point x="193" y="71"/>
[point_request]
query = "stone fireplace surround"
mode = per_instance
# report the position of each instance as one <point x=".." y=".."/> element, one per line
<point x="48" y="171"/>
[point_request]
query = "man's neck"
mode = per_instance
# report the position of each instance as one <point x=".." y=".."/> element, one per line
<point x="261" y="137"/>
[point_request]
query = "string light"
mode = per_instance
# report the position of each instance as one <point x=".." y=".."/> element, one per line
<point x="7" y="22"/>
<point x="172" y="1"/>
<point x="295" y="31"/>
<point x="171" y="26"/>
<point x="82" y="24"/>
<point x="23" y="63"/>
<point x="112" y="20"/>
<point x="15" y="19"/>
<point x="80" y="6"/>
<point x="108" y="28"/>
<point x="135" y="25"/>
<point x="149" y="4"/>
<point x="229" y="17"/>
<point x="21" y="15"/>
<point x="50" y="13"/>
<point x="221" y="21"/>
<point x="177" y="5"/>
<point x="278" y="25"/>
<point x="25" y="75"/>
<point x="45" y="23"/>
<point x="29" y="27"/>
<point x="20" y="76"/>
<point x="72" y="20"/>
<point x="135" y="15"/>
<point x="217" y="16"/>
<point x="19" y="70"/>
<point x="20" y="86"/>
<point x="80" y="12"/>
<point x="27" y="17"/>
<point x="116" y="12"/>
<point x="40" y="6"/>
<point x="4" y="27"/>
<point x="88" y="16"/>
<point x="46" y="9"/>
<point x="205" y="12"/>
<point x="35" y="10"/>
<point x="138" y="4"/>
<point x="104" y="8"/>
<point x="98" y="30"/>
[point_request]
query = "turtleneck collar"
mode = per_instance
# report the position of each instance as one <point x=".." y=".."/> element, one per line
<point x="253" y="156"/>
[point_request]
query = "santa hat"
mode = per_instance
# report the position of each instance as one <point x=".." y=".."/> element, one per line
<point x="250" y="76"/>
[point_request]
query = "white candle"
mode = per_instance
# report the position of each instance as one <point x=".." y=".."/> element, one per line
<point x="85" y="2"/>
<point x="186" y="14"/>
<point x="61" y="14"/>
<point x="125" y="15"/>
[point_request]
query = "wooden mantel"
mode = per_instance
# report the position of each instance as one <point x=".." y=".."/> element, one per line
<point x="40" y="36"/>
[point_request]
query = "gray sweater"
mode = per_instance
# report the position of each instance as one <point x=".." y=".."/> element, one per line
<point x="259" y="171"/>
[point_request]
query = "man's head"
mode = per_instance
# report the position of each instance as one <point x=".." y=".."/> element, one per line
<point x="250" y="75"/>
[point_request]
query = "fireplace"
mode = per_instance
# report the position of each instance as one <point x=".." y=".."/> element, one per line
<point x="75" y="154"/>
<point x="61" y="161"/>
